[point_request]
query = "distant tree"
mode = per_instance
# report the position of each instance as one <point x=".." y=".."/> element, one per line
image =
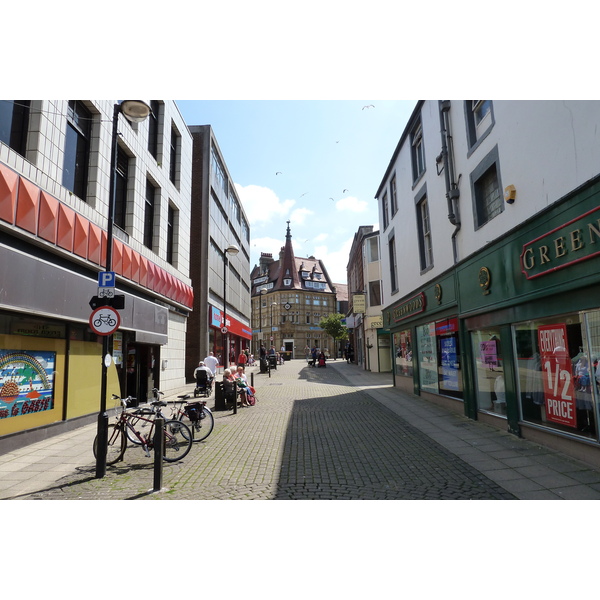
<point x="333" y="326"/>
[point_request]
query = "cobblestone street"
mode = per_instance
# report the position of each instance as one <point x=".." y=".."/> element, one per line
<point x="311" y="435"/>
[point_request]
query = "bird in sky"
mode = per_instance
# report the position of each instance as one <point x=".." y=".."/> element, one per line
<point x="332" y="199"/>
<point x="279" y="173"/>
<point x="346" y="190"/>
<point x="304" y="194"/>
<point x="368" y="106"/>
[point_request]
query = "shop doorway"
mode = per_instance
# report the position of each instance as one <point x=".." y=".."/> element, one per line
<point x="141" y="371"/>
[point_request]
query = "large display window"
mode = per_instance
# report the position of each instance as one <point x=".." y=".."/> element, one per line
<point x="489" y="370"/>
<point x="557" y="362"/>
<point x="404" y="353"/>
<point x="439" y="358"/>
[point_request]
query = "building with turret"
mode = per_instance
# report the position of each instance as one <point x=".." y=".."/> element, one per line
<point x="290" y="296"/>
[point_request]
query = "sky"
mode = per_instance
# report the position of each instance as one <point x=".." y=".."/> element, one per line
<point x="315" y="163"/>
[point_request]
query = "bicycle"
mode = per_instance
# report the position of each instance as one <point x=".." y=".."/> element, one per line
<point x="196" y="415"/>
<point x="177" y="435"/>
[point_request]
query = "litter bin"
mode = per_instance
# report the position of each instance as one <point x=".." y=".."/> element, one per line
<point x="219" y="396"/>
<point x="273" y="361"/>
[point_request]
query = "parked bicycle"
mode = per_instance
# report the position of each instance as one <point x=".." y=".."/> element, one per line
<point x="196" y="415"/>
<point x="177" y="435"/>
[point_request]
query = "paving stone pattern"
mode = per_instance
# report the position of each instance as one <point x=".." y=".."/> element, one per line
<point x="311" y="436"/>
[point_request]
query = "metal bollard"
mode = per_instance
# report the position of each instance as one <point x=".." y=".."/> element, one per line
<point x="159" y="450"/>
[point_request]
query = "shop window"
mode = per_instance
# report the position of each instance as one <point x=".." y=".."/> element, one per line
<point x="489" y="371"/>
<point x="557" y="362"/>
<point x="439" y="358"/>
<point x="404" y="353"/>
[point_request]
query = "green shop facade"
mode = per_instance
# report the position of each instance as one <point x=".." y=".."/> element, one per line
<point x="511" y="335"/>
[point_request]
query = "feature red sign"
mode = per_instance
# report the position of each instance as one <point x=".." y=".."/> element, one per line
<point x="557" y="375"/>
<point x="105" y="320"/>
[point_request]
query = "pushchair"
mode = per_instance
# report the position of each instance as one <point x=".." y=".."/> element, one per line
<point x="203" y="384"/>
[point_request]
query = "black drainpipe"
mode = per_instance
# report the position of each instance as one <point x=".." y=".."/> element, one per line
<point x="452" y="191"/>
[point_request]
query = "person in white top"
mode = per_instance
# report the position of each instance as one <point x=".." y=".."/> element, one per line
<point x="211" y="362"/>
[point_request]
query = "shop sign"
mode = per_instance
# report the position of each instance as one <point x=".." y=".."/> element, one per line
<point x="37" y="329"/>
<point x="411" y="307"/>
<point x="562" y="247"/>
<point x="359" y="303"/>
<point x="559" y="393"/>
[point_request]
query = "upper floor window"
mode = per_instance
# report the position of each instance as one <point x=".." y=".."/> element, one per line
<point x="393" y="198"/>
<point x="417" y="151"/>
<point x="374" y="293"/>
<point x="393" y="264"/>
<point x="488" y="201"/>
<point x="480" y="119"/>
<point x="14" y="123"/>
<point x="77" y="148"/>
<point x="149" y="214"/>
<point x="175" y="155"/>
<point x="122" y="179"/>
<point x="384" y="210"/>
<point x="171" y="228"/>
<point x="424" y="231"/>
<point x="153" y="131"/>
<point x="373" y="249"/>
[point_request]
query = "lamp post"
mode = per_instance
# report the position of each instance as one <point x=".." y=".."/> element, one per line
<point x="135" y="111"/>
<point x="262" y="293"/>
<point x="233" y="250"/>
<point x="272" y="336"/>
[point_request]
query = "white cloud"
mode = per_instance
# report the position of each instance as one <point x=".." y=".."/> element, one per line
<point x="262" y="204"/>
<point x="299" y="215"/>
<point x="352" y="204"/>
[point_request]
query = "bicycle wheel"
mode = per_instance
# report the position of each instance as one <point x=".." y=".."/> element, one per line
<point x="178" y="441"/>
<point x="203" y="428"/>
<point x="139" y="425"/>
<point x="116" y="444"/>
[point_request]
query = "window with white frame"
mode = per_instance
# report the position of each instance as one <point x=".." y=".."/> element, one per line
<point x="417" y="151"/>
<point x="393" y="198"/>
<point x="479" y="116"/>
<point x="424" y="225"/>
<point x="393" y="264"/>
<point x="373" y="249"/>
<point x="384" y="210"/>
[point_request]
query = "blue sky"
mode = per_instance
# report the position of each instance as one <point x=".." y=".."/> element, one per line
<point x="331" y="156"/>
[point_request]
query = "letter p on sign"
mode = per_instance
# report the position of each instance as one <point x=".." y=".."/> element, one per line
<point x="106" y="279"/>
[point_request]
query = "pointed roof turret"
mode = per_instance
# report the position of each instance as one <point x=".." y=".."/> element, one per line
<point x="287" y="267"/>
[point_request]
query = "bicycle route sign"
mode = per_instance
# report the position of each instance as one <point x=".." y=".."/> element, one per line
<point x="105" y="320"/>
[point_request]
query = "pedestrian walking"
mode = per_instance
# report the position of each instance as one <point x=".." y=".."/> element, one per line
<point x="211" y="362"/>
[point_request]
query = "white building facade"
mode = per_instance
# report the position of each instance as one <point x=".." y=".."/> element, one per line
<point x="489" y="224"/>
<point x="55" y="179"/>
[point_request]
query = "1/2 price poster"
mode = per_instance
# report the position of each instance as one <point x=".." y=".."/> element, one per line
<point x="557" y="375"/>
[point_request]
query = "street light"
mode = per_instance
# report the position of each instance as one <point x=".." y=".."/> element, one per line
<point x="262" y="293"/>
<point x="135" y="111"/>
<point x="272" y="336"/>
<point x="233" y="250"/>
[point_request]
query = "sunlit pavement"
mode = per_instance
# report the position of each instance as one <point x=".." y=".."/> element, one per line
<point x="315" y="433"/>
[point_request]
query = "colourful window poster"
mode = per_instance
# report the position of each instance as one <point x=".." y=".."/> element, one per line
<point x="557" y="375"/>
<point x="26" y="382"/>
<point x="449" y="363"/>
<point x="489" y="353"/>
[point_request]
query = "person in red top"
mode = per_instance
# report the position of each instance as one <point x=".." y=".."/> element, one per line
<point x="242" y="359"/>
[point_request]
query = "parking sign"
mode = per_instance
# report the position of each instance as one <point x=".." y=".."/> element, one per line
<point x="106" y="284"/>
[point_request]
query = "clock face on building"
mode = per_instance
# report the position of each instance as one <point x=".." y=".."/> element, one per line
<point x="287" y="306"/>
